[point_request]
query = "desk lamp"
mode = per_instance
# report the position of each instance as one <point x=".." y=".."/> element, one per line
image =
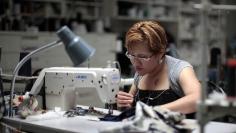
<point x="77" y="49"/>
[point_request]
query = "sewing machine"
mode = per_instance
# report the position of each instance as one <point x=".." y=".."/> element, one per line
<point x="67" y="86"/>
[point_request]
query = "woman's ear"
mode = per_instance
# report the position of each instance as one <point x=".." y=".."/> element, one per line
<point x="162" y="58"/>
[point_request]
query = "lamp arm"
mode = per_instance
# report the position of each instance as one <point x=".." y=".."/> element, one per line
<point x="19" y="65"/>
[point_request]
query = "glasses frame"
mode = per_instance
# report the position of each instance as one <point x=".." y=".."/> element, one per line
<point x="142" y="59"/>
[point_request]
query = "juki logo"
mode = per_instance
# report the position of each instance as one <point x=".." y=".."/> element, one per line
<point x="82" y="77"/>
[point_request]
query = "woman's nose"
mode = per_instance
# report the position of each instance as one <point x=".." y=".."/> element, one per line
<point x="136" y="61"/>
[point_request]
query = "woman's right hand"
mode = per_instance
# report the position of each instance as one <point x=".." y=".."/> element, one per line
<point x="124" y="99"/>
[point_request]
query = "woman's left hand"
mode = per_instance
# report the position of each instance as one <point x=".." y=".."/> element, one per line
<point x="124" y="99"/>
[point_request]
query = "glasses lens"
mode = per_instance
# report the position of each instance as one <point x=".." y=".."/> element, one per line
<point x="143" y="59"/>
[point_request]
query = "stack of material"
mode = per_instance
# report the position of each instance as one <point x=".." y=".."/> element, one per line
<point x="152" y="119"/>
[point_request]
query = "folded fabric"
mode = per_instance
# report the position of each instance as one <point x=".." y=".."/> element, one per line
<point x="29" y="107"/>
<point x="149" y="119"/>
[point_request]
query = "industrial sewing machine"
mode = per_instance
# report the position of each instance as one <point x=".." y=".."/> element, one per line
<point x="67" y="86"/>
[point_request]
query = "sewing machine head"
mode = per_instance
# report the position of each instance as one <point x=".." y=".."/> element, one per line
<point x="67" y="86"/>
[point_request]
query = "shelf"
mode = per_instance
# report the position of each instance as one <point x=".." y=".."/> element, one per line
<point x="192" y="11"/>
<point x="167" y="19"/>
<point x="189" y="11"/>
<point x="134" y="1"/>
<point x="151" y="2"/>
<point x="161" y="19"/>
<point x="92" y="18"/>
<point x="187" y="39"/>
<point x="47" y="1"/>
<point x="127" y="18"/>
<point x="156" y="3"/>
<point x="82" y="3"/>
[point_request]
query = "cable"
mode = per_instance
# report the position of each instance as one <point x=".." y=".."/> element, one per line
<point x="19" y="77"/>
<point x="215" y="85"/>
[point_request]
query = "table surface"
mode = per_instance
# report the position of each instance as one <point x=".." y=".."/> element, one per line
<point x="72" y="124"/>
<point x="90" y="124"/>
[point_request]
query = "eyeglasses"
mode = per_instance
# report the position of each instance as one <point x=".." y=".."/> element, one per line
<point x="140" y="58"/>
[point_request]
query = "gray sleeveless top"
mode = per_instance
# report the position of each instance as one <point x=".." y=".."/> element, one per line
<point x="175" y="66"/>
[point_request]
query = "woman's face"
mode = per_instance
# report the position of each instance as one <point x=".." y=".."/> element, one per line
<point x="142" y="59"/>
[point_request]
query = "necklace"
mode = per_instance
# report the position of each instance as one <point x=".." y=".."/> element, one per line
<point x="137" y="98"/>
<point x="153" y="98"/>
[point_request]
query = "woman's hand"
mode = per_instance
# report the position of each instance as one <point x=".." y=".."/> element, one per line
<point x="124" y="99"/>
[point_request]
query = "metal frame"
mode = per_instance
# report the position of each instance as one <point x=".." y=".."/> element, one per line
<point x="207" y="111"/>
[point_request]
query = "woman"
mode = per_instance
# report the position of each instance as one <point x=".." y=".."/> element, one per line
<point x="159" y="79"/>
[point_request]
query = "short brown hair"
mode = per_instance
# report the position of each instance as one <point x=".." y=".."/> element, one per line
<point x="147" y="32"/>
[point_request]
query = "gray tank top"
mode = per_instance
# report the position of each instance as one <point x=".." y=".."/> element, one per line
<point x="175" y="66"/>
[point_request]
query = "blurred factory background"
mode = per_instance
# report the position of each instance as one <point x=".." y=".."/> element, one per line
<point x="26" y="25"/>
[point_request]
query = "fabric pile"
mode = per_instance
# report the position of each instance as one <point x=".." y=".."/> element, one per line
<point x="151" y="119"/>
<point x="29" y="107"/>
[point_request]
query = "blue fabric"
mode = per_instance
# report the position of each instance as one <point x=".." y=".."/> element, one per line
<point x="124" y="115"/>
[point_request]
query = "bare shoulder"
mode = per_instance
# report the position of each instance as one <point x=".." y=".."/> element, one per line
<point x="188" y="80"/>
<point x="187" y="72"/>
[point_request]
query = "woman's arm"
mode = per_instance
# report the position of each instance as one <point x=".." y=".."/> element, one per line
<point x="192" y="90"/>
